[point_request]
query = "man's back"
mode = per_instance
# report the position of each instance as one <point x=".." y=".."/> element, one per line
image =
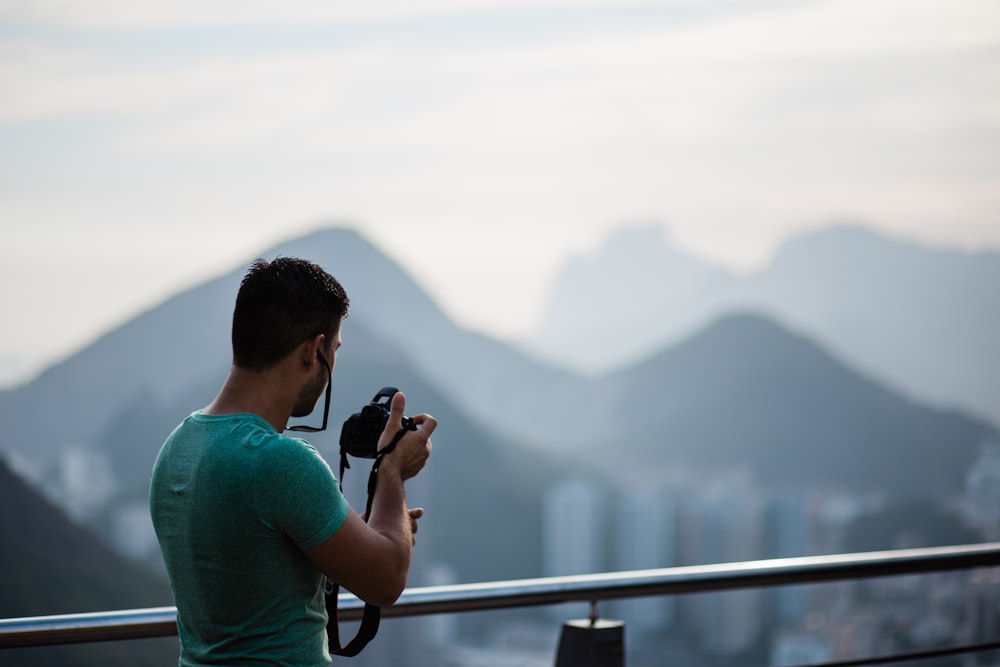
<point x="235" y="504"/>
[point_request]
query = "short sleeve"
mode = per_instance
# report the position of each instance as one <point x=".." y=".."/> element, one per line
<point x="297" y="493"/>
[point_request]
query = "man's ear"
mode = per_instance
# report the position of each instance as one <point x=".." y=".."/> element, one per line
<point x="310" y="348"/>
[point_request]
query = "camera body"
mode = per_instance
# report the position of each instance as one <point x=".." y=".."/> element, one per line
<point x="361" y="431"/>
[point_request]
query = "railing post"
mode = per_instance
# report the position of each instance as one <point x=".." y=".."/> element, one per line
<point x="591" y="642"/>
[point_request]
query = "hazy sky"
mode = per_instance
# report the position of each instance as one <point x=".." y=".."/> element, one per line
<point x="147" y="146"/>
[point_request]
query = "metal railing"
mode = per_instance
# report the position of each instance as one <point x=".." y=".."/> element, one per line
<point x="161" y="621"/>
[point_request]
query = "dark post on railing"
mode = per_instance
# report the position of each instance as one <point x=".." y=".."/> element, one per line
<point x="591" y="642"/>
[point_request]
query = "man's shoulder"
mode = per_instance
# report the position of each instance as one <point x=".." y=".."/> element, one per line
<point x="241" y="426"/>
<point x="241" y="437"/>
<point x="210" y="435"/>
<point x="289" y="450"/>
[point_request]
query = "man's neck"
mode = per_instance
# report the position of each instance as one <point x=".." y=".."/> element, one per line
<point x="255" y="392"/>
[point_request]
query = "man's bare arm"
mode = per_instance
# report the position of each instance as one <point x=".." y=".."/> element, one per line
<point x="372" y="560"/>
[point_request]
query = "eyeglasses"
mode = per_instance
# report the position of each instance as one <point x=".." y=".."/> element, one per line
<point x="326" y="410"/>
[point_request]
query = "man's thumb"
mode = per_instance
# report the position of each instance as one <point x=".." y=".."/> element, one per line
<point x="397" y="408"/>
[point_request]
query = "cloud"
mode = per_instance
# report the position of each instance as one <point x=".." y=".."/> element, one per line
<point x="126" y="15"/>
<point x="796" y="110"/>
<point x="457" y="127"/>
<point x="711" y="68"/>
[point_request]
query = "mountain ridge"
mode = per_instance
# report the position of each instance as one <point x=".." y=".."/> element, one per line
<point x="743" y="390"/>
<point x="539" y="406"/>
<point x="791" y="411"/>
<point x="921" y="319"/>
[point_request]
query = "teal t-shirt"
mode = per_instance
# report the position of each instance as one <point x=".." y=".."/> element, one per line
<point x="234" y="504"/>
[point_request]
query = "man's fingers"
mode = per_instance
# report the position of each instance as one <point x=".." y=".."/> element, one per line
<point x="426" y="423"/>
<point x="415" y="514"/>
<point x="396" y="409"/>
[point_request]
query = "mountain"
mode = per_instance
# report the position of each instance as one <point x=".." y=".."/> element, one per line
<point x="156" y="354"/>
<point x="483" y="376"/>
<point x="742" y="390"/>
<point x="472" y="471"/>
<point x="475" y="468"/>
<point x="50" y="565"/>
<point x="746" y="392"/>
<point x="185" y="340"/>
<point x="88" y="429"/>
<point x="145" y="376"/>
<point x="923" y="320"/>
<point x="635" y="295"/>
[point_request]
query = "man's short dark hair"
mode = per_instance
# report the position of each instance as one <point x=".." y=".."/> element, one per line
<point x="280" y="304"/>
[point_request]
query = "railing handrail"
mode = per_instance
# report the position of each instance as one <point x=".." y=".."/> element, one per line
<point x="161" y="621"/>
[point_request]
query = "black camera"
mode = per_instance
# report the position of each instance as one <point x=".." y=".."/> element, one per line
<point x="360" y="434"/>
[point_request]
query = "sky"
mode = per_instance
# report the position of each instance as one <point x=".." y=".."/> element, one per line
<point x="148" y="146"/>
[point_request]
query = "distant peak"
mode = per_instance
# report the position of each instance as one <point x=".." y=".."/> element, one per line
<point x="746" y="321"/>
<point x="324" y="240"/>
<point x="857" y="237"/>
<point x="636" y="238"/>
<point x="340" y="233"/>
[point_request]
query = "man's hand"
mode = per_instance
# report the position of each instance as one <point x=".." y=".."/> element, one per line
<point x="415" y="514"/>
<point x="372" y="560"/>
<point x="414" y="448"/>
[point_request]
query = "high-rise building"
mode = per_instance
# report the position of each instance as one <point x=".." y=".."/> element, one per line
<point x="788" y="534"/>
<point x="573" y="539"/>
<point x="982" y="491"/>
<point x="644" y="526"/>
<point x="724" y="523"/>
<point x="800" y="648"/>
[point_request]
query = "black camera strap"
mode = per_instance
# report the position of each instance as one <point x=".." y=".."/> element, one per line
<point x="372" y="615"/>
<point x="370" y="619"/>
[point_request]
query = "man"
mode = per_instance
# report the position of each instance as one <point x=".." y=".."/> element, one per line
<point x="249" y="519"/>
